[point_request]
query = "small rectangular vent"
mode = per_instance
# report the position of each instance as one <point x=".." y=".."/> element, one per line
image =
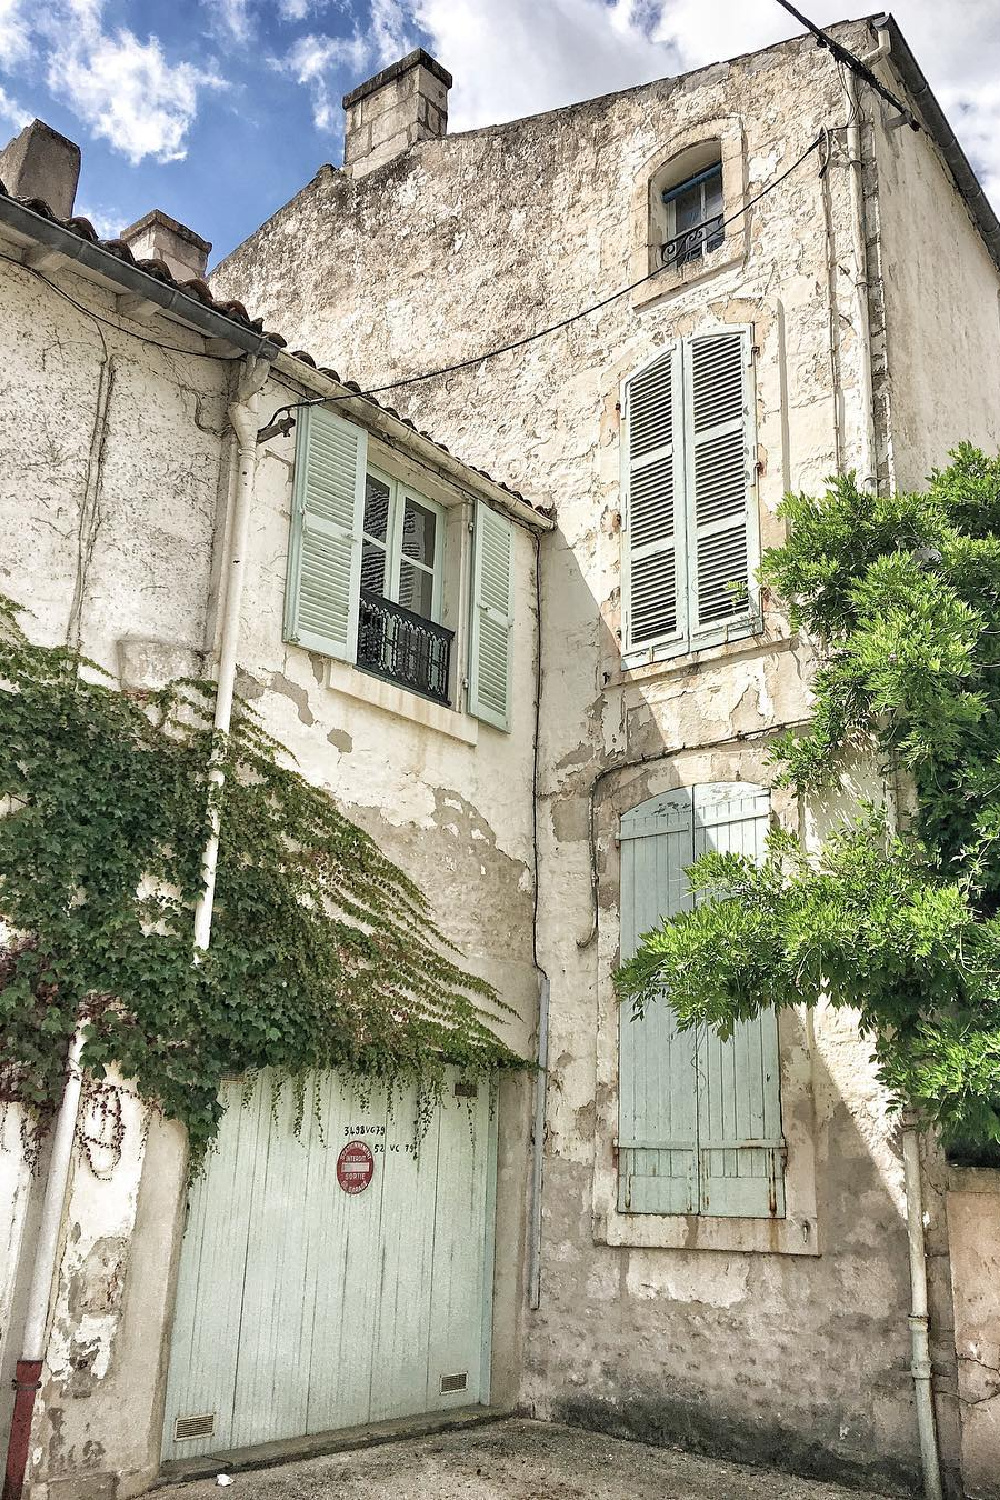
<point x="459" y="1382"/>
<point x="466" y="1088"/>
<point x="201" y="1426"/>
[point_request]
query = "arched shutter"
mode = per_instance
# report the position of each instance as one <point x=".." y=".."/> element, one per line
<point x="324" y="555"/>
<point x="653" y="585"/>
<point x="492" y="618"/>
<point x="720" y="538"/>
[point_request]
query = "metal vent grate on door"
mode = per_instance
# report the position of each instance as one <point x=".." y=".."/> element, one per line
<point x="457" y="1382"/>
<point x="201" y="1426"/>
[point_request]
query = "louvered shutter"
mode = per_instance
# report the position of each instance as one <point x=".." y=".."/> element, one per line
<point x="492" y="618"/>
<point x="721" y="531"/>
<point x="740" y="1146"/>
<point x="653" y="584"/>
<point x="324" y="555"/>
<point x="657" y="1118"/>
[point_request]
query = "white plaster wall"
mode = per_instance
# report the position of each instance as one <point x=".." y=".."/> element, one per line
<point x="114" y="486"/>
<point x="942" y="311"/>
<point x="793" y="1359"/>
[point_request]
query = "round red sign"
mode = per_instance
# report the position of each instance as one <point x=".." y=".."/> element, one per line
<point x="355" y="1166"/>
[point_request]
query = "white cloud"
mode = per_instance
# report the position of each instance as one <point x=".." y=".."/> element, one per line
<point x="516" y="57"/>
<point x="233" y="17"/>
<point x="311" y="62"/>
<point x="390" y="35"/>
<point x="11" y="112"/>
<point x="123" y="88"/>
<point x="15" y="34"/>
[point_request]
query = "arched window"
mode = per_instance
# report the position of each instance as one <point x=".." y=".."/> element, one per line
<point x="687" y="206"/>
<point x="686" y="202"/>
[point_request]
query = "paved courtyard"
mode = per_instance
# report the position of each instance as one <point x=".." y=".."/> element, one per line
<point x="513" y="1460"/>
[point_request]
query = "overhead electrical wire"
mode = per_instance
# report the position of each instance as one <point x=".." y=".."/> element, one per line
<point x="541" y="333"/>
<point x="861" y="69"/>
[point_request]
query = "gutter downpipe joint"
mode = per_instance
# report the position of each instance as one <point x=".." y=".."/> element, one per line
<point x="919" y="1318"/>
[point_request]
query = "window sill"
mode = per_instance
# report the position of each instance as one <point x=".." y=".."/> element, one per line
<point x="343" y="678"/>
<point x="738" y="630"/>
<point x="788" y="1236"/>
<point x="671" y="279"/>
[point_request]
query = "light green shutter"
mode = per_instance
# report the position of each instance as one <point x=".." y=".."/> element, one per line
<point x="653" y="553"/>
<point x="740" y="1146"/>
<point x="324" y="555"/>
<point x="719" y="479"/>
<point x="492" y="618"/>
<point x="699" y="1128"/>
<point x="657" y="1113"/>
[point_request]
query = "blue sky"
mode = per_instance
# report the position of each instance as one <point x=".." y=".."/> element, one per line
<point x="217" y="111"/>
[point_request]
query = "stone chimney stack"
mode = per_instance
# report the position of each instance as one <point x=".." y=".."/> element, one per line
<point x="41" y="163"/>
<point x="405" y="103"/>
<point x="156" y="236"/>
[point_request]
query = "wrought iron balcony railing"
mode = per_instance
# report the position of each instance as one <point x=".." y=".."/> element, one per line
<point x="693" y="243"/>
<point x="402" y="647"/>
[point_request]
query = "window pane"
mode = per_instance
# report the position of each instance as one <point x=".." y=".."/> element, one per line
<point x="419" y="532"/>
<point x="376" y="508"/>
<point x="687" y="206"/>
<point x="416" y="589"/>
<point x="372" y="567"/>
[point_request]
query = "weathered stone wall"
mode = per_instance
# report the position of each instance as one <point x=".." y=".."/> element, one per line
<point x="973" y="1199"/>
<point x="115" y="493"/>
<point x="791" y="1357"/>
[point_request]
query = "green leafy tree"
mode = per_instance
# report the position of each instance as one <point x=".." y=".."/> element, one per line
<point x="900" y="596"/>
<point x="323" y="953"/>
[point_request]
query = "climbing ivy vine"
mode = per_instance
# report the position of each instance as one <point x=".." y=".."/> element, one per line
<point x="901" y="598"/>
<point x="323" y="953"/>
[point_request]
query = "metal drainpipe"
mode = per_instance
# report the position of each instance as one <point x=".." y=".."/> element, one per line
<point x="541" y="1077"/>
<point x="244" y="416"/>
<point x="869" y="455"/>
<point x="28" y="1371"/>
<point x="919" y="1317"/>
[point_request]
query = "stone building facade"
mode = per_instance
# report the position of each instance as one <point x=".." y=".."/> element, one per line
<point x="120" y="461"/>
<point x="771" y="1327"/>
<point x="866" y="281"/>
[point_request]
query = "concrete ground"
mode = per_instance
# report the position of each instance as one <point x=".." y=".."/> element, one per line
<point x="513" y="1460"/>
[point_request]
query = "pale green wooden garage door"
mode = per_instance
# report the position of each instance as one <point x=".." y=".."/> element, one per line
<point x="301" y="1307"/>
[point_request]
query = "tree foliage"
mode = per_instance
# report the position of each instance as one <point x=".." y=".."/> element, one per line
<point x="901" y="597"/>
<point x="323" y="953"/>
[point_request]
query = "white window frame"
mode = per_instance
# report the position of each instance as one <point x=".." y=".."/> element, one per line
<point x="399" y="493"/>
<point x="684" y="641"/>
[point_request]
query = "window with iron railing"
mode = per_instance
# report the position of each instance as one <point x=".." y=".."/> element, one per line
<point x="694" y="210"/>
<point x="399" y="634"/>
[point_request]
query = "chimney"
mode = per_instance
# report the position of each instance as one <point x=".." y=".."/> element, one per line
<point x="406" y="102"/>
<point x="156" y="236"/>
<point x="41" y="163"/>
